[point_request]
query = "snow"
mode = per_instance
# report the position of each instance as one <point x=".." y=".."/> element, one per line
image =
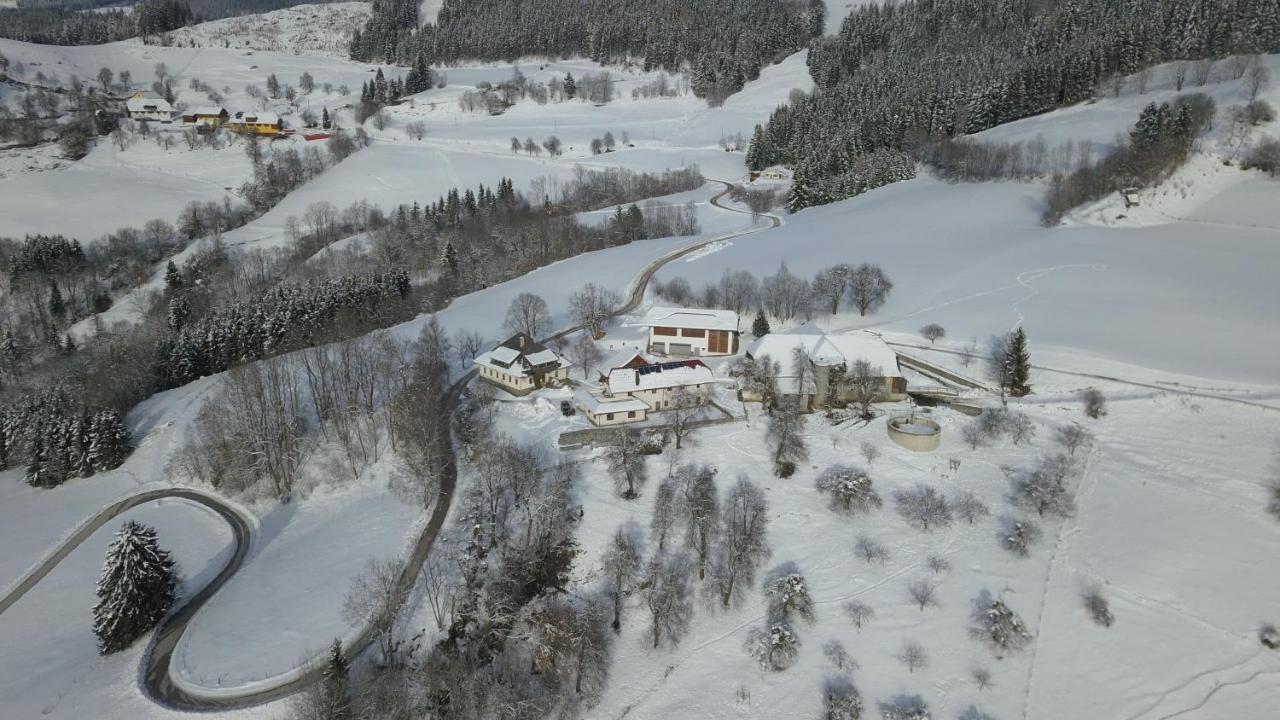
<point x="52" y="669"/>
<point x="691" y="318"/>
<point x="319" y="30"/>
<point x="305" y="563"/>
<point x="974" y="258"/>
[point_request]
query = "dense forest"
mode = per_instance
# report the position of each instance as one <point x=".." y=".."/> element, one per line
<point x="68" y="22"/>
<point x="724" y="42"/>
<point x="900" y="75"/>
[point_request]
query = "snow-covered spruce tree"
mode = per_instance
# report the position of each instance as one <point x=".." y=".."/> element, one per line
<point x="998" y="626"/>
<point x="137" y="587"/>
<point x="850" y="489"/>
<point x="760" y="326"/>
<point x="774" y="646"/>
<point x="1019" y="361"/>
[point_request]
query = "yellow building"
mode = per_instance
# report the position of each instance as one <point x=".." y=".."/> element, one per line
<point x="267" y="123"/>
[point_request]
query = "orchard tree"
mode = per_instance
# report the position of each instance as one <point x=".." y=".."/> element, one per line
<point x="869" y="287"/>
<point x="626" y="462"/>
<point x="786" y="438"/>
<point x="743" y="543"/>
<point x="623" y="564"/>
<point x="999" y="626"/>
<point x="933" y="332"/>
<point x="668" y="598"/>
<point x="137" y="587"/>
<point x="850" y="489"/>
<point x="528" y="314"/>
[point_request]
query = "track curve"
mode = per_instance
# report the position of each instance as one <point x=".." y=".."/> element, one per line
<point x="155" y="672"/>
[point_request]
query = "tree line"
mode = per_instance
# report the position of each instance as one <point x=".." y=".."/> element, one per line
<point x="894" y="76"/>
<point x="724" y="42"/>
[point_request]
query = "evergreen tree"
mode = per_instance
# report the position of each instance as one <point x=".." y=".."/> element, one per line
<point x="1019" y="362"/>
<point x="570" y="86"/>
<point x="760" y="327"/>
<point x="758" y="154"/>
<point x="172" y="277"/>
<point x="334" y="692"/>
<point x="57" y="308"/>
<point x="137" y="587"/>
<point x="325" y="122"/>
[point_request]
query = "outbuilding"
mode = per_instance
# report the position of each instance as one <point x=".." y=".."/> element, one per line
<point x="692" y="332"/>
<point x="809" y="361"/>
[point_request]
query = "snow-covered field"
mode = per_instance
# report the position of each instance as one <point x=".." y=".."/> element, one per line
<point x="1169" y="506"/>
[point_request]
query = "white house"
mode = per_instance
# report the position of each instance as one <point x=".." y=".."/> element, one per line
<point x="776" y="173"/>
<point x="140" y="107"/>
<point x="692" y="331"/>
<point x="807" y="357"/>
<point x="653" y="386"/>
<point x="521" y="365"/>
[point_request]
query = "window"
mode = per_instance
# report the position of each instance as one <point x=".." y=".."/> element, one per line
<point x="631" y="413"/>
<point x="691" y="332"/>
<point x="608" y="416"/>
<point x="664" y="331"/>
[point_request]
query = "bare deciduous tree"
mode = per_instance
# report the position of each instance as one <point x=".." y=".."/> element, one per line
<point x="998" y="625"/>
<point x="869" y="452"/>
<point x="774" y="646"/>
<point x="840" y="699"/>
<point x="1097" y="606"/>
<point x="839" y="658"/>
<point x="1019" y="535"/>
<point x="923" y="507"/>
<point x="1072" y="437"/>
<point x="933" y="332"/>
<point x="923" y="593"/>
<point x="938" y="564"/>
<point x="683" y="410"/>
<point x="626" y="462"/>
<point x="871" y="551"/>
<point x="699" y="505"/>
<point x="981" y="677"/>
<point x="743" y="542"/>
<point x="374" y="599"/>
<point x="913" y="656"/>
<point x="864" y="384"/>
<point x="969" y="508"/>
<point x="786" y="438"/>
<point x="1095" y="403"/>
<point x="869" y="287"/>
<point x="592" y="306"/>
<point x="528" y="314"/>
<point x="859" y="612"/>
<point x="668" y="599"/>
<point x="787" y="594"/>
<point x="584" y="353"/>
<point x="622" y="565"/>
<point x="666" y="512"/>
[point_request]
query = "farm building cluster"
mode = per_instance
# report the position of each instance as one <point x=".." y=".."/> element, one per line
<point x="143" y="108"/>
<point x="674" y="368"/>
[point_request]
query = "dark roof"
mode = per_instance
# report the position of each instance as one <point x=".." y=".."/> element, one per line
<point x="522" y="343"/>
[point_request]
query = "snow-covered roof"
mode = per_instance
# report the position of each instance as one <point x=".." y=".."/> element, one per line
<point x="519" y="354"/>
<point x="208" y="110"/>
<point x="263" y="118"/>
<point x="139" y="103"/>
<point x="694" y="318"/>
<point x="683" y="373"/>
<point x="826" y="350"/>
<point x="598" y="405"/>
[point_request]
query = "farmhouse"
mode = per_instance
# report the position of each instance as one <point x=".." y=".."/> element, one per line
<point x="691" y="331"/>
<point x="810" y="361"/>
<point x="209" y="115"/>
<point x="624" y="357"/>
<point x="777" y="173"/>
<point x="631" y="393"/>
<point x="140" y="107"/>
<point x="521" y="365"/>
<point x="266" y="123"/>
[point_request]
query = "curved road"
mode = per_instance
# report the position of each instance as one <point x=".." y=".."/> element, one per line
<point x="156" y="676"/>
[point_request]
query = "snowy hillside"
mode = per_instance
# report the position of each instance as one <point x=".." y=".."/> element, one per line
<point x="1168" y="308"/>
<point x="323" y="30"/>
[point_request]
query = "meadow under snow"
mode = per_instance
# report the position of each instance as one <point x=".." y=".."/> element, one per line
<point x="1169" y="506"/>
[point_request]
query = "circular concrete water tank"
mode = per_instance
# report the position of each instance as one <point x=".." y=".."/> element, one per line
<point x="915" y="432"/>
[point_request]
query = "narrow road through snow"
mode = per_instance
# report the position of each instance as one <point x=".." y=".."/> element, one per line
<point x="157" y="678"/>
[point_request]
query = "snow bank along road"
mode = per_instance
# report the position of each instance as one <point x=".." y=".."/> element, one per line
<point x="156" y="676"/>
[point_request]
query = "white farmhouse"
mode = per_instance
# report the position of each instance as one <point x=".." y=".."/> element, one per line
<point x="631" y="393"/>
<point x="692" y="331"/>
<point x="521" y="365"/>
<point x="809" y="360"/>
<point x="140" y="107"/>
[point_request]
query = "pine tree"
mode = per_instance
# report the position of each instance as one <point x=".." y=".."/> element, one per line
<point x="137" y="587"/>
<point x="172" y="277"/>
<point x="570" y="86"/>
<point x="759" y="154"/>
<point x="325" y="122"/>
<point x="334" y="693"/>
<point x="57" y="308"/>
<point x="1019" y="362"/>
<point x="760" y="327"/>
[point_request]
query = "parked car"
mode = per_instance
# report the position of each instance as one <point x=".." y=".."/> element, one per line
<point x="567" y="409"/>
